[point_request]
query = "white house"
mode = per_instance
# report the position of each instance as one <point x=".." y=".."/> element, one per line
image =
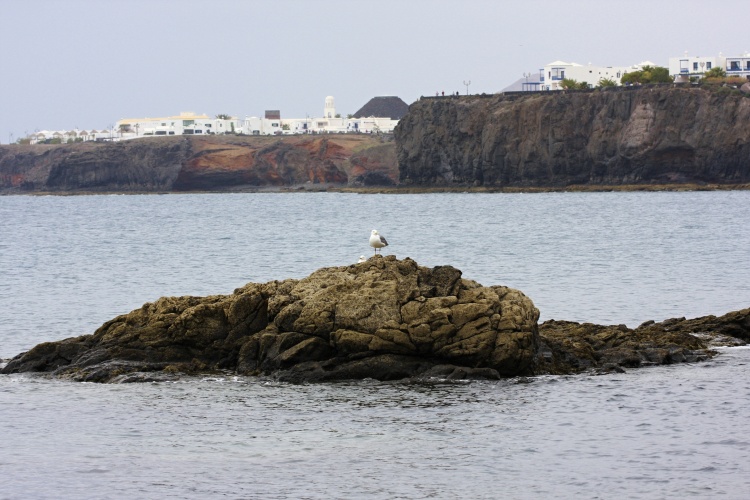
<point x="71" y="135"/>
<point x="552" y="75"/>
<point x="186" y="123"/>
<point x="682" y="68"/>
<point x="738" y="66"/>
<point x="686" y="67"/>
<point x="329" y="123"/>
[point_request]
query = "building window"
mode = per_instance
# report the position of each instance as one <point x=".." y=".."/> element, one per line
<point x="557" y="74"/>
<point x="708" y="65"/>
<point x="734" y="66"/>
<point x="695" y="66"/>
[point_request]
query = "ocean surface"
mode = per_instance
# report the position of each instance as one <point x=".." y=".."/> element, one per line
<point x="68" y="264"/>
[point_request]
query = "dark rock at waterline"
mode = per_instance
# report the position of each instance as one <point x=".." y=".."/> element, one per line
<point x="568" y="347"/>
<point x="385" y="319"/>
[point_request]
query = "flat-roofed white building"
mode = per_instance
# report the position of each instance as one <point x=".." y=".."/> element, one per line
<point x="186" y="123"/>
<point x="682" y="69"/>
<point x="552" y="75"/>
<point x="331" y="122"/>
<point x="685" y="67"/>
<point x="738" y="66"/>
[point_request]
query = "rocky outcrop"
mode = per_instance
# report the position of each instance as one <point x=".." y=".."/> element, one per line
<point x="384" y="319"/>
<point x="568" y="347"/>
<point x="649" y="135"/>
<point x="200" y="163"/>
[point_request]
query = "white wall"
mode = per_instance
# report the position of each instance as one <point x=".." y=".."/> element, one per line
<point x="682" y="68"/>
<point x="555" y="72"/>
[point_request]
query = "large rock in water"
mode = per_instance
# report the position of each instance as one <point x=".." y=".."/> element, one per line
<point x="384" y="319"/>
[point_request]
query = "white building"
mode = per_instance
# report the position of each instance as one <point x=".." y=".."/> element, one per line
<point x="189" y="123"/>
<point x="552" y="75"/>
<point x="186" y="123"/>
<point x="329" y="123"/>
<point x="75" y="135"/>
<point x="686" y="67"/>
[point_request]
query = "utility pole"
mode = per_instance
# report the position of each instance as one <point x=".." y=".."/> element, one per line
<point x="467" y="83"/>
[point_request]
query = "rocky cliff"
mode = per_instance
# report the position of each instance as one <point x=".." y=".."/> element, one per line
<point x="203" y="163"/>
<point x="384" y="319"/>
<point x="647" y="135"/>
<point x="650" y="135"/>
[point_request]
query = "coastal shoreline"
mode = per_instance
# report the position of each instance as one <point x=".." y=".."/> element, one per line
<point x="317" y="188"/>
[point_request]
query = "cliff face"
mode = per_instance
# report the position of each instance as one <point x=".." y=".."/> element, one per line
<point x="199" y="163"/>
<point x="656" y="135"/>
<point x="647" y="135"/>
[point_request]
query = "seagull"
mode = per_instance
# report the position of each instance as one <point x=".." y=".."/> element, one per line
<point x="377" y="241"/>
<point x="361" y="259"/>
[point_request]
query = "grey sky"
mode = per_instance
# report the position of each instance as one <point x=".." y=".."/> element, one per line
<point x="88" y="63"/>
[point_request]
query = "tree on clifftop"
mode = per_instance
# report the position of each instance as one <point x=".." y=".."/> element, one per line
<point x="647" y="74"/>
<point x="570" y="84"/>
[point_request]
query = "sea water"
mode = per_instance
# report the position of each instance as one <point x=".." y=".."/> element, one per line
<point x="67" y="264"/>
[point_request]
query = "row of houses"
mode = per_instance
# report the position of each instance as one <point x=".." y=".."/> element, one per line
<point x="682" y="69"/>
<point x="379" y="115"/>
<point x="74" y="135"/>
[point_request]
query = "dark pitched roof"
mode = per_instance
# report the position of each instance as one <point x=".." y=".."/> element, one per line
<point x="385" y="106"/>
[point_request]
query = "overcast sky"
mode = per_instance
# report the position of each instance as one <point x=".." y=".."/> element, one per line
<point x="89" y="63"/>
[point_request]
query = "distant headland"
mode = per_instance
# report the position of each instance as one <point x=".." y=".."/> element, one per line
<point x="644" y="137"/>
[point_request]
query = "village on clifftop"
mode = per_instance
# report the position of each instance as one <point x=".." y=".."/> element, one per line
<point x="381" y="114"/>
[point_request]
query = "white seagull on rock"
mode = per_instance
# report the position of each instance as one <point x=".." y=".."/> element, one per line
<point x="377" y="241"/>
